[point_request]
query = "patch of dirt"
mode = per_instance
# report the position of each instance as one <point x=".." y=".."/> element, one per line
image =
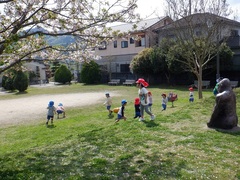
<point x="30" y="109"/>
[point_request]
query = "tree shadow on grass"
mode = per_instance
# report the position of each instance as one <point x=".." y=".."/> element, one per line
<point x="20" y="93"/>
<point x="84" y="158"/>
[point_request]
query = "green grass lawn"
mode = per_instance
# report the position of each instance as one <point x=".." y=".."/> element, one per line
<point x="89" y="145"/>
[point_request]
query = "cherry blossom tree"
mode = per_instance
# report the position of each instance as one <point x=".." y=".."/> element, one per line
<point x="24" y="25"/>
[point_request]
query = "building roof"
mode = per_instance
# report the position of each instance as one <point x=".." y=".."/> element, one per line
<point x="136" y="26"/>
<point x="198" y="19"/>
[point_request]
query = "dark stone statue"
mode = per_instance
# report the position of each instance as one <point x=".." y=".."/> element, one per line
<point x="224" y="114"/>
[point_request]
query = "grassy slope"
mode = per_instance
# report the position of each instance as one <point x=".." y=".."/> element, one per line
<point x="88" y="145"/>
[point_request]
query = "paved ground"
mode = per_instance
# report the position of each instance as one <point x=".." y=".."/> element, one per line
<point x="24" y="110"/>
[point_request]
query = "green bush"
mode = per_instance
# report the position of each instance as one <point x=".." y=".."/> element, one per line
<point x="90" y="73"/>
<point x="7" y="82"/>
<point x="63" y="75"/>
<point x="20" y="81"/>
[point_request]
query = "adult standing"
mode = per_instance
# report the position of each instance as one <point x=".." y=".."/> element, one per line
<point x="143" y="95"/>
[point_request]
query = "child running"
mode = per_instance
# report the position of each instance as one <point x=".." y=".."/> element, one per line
<point x="142" y="92"/>
<point x="164" y="101"/>
<point x="137" y="108"/>
<point x="108" y="103"/>
<point x="120" y="114"/>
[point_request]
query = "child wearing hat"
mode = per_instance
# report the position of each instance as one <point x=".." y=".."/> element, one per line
<point x="60" y="110"/>
<point x="142" y="92"/>
<point x="164" y="101"/>
<point x="120" y="114"/>
<point x="191" y="97"/>
<point x="137" y="108"/>
<point x="51" y="110"/>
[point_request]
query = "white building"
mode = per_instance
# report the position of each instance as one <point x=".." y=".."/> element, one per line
<point x="116" y="55"/>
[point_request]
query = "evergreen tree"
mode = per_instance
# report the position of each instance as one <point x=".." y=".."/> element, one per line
<point x="20" y="81"/>
<point x="63" y="75"/>
<point x="90" y="73"/>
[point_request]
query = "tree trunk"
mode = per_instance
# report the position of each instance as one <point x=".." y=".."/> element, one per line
<point x="200" y="96"/>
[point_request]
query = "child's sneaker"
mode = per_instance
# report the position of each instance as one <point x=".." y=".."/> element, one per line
<point x="141" y="119"/>
<point x="152" y="117"/>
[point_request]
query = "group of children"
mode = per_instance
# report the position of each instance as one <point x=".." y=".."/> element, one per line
<point x="141" y="103"/>
<point x="53" y="110"/>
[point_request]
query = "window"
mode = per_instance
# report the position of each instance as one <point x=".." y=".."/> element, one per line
<point x="131" y="40"/>
<point x="140" y="42"/>
<point x="115" y="44"/>
<point x="125" y="68"/>
<point x="124" y="44"/>
<point x="143" y="41"/>
<point x="234" y="32"/>
<point x="103" y="45"/>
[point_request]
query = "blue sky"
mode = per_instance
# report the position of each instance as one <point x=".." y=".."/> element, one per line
<point x="145" y="7"/>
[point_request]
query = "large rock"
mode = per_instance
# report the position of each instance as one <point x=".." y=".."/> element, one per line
<point x="224" y="114"/>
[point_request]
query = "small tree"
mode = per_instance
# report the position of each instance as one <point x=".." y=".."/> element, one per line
<point x="20" y="81"/>
<point x="142" y="63"/>
<point x="63" y="75"/>
<point x="90" y="73"/>
<point x="150" y="62"/>
<point x="7" y="81"/>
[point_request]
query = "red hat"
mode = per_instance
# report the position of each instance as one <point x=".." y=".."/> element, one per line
<point x="190" y="89"/>
<point x="137" y="101"/>
<point x="163" y="94"/>
<point x="140" y="80"/>
<point x="143" y="82"/>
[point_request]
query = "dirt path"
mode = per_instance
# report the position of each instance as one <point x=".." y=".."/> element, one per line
<point x="30" y="109"/>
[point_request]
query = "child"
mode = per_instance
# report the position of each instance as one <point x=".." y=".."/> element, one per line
<point x="191" y="97"/>
<point x="60" y="110"/>
<point x="137" y="108"/>
<point x="149" y="101"/>
<point x="164" y="101"/>
<point x="108" y="103"/>
<point x="142" y="92"/>
<point x="51" y="111"/>
<point x="121" y="111"/>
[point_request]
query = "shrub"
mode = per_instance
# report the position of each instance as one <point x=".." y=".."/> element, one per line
<point x="63" y="75"/>
<point x="7" y="82"/>
<point x="20" y="81"/>
<point x="90" y="73"/>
